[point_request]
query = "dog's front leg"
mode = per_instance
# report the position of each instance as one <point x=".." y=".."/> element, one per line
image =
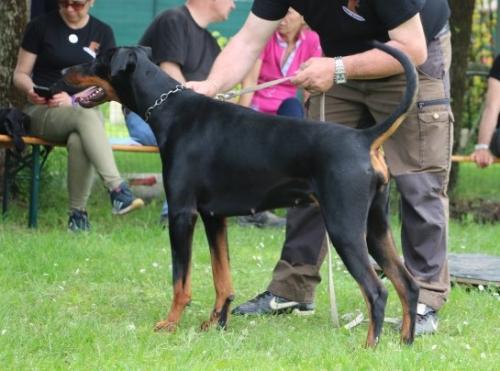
<point x="181" y="227"/>
<point x="216" y="231"/>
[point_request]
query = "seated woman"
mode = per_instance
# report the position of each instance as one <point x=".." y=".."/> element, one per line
<point x="290" y="46"/>
<point x="51" y="42"/>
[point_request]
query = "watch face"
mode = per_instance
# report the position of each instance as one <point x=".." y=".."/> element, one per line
<point x="339" y="71"/>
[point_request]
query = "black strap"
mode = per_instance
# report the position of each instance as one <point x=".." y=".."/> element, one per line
<point x="14" y="123"/>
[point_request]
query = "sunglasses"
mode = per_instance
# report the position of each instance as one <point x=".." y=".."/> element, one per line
<point x="76" y="5"/>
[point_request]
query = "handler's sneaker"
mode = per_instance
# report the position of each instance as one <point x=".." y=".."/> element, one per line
<point x="427" y="320"/>
<point x="78" y="221"/>
<point x="267" y="303"/>
<point x="123" y="201"/>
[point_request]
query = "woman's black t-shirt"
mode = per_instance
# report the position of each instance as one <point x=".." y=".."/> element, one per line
<point x="345" y="26"/>
<point x="58" y="46"/>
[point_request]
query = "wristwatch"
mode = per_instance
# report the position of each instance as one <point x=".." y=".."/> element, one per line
<point x="481" y="146"/>
<point x="339" y="71"/>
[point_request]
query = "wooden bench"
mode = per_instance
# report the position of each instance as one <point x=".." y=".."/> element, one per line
<point x="34" y="158"/>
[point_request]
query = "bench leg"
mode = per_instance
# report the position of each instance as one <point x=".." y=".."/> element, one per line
<point x="35" y="187"/>
<point x="6" y="183"/>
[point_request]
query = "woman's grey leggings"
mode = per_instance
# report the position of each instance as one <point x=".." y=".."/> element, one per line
<point x="82" y="130"/>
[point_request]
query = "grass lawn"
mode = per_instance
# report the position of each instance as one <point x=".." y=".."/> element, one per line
<point x="89" y="301"/>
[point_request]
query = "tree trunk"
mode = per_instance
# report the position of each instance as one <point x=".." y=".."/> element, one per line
<point x="13" y="18"/>
<point x="461" y="26"/>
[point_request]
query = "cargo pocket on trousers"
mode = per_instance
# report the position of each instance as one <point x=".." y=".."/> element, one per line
<point x="435" y="132"/>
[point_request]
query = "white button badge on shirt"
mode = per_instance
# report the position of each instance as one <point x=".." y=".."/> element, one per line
<point x="73" y="39"/>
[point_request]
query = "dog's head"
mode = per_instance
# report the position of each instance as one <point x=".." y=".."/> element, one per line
<point x="107" y="75"/>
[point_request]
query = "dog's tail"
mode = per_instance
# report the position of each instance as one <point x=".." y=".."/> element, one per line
<point x="386" y="128"/>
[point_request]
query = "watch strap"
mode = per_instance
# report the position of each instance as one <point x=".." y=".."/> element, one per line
<point x="339" y="77"/>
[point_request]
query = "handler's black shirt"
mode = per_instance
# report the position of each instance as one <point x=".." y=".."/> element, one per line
<point x="58" y="46"/>
<point x="345" y="26"/>
<point x="175" y="37"/>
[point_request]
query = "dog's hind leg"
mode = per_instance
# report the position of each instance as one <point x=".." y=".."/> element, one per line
<point x="382" y="248"/>
<point x="345" y="219"/>
<point x="216" y="231"/>
<point x="181" y="227"/>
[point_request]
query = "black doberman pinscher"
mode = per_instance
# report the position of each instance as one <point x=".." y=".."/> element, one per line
<point x="220" y="160"/>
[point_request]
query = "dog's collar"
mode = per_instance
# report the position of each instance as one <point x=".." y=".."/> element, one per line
<point x="161" y="100"/>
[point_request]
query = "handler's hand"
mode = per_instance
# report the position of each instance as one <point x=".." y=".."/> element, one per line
<point x="482" y="157"/>
<point x="205" y="87"/>
<point x="315" y="75"/>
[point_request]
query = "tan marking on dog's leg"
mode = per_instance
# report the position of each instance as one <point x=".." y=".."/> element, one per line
<point x="371" y="342"/>
<point x="221" y="272"/>
<point x="182" y="297"/>
<point x="395" y="276"/>
<point x="376" y="157"/>
<point x="379" y="164"/>
<point x="395" y="273"/>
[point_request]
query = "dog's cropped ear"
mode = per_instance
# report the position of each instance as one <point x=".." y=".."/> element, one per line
<point x="147" y="50"/>
<point x="124" y="59"/>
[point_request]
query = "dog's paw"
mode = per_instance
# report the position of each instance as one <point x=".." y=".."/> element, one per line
<point x="207" y="325"/>
<point x="166" y="326"/>
<point x="407" y="339"/>
<point x="216" y="320"/>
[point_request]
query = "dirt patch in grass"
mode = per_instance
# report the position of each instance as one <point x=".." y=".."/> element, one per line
<point x="482" y="211"/>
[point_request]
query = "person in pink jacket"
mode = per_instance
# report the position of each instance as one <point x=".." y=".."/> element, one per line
<point x="291" y="45"/>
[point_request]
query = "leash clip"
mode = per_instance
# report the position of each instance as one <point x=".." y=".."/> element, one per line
<point x="237" y="92"/>
<point x="227" y="95"/>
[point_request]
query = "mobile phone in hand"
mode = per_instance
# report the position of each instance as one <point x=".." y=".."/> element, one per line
<point x="43" y="91"/>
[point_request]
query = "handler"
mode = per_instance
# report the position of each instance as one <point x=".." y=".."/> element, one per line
<point x="362" y="86"/>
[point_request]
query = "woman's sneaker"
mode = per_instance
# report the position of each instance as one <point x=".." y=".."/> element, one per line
<point x="164" y="215"/>
<point x="123" y="201"/>
<point x="78" y="221"/>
